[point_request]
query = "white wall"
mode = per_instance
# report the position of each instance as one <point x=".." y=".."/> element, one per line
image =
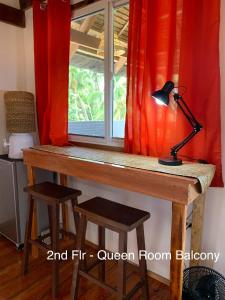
<point x="16" y="62"/>
<point x="16" y="67"/>
<point x="13" y="3"/>
<point x="12" y="58"/>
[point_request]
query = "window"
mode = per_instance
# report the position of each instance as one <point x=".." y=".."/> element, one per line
<point x="97" y="74"/>
<point x="86" y="87"/>
<point x="120" y="32"/>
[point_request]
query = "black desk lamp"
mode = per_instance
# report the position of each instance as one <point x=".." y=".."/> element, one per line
<point x="162" y="98"/>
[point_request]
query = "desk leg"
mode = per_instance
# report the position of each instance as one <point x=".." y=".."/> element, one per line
<point x="197" y="226"/>
<point x="65" y="217"/>
<point x="34" y="232"/>
<point x="178" y="237"/>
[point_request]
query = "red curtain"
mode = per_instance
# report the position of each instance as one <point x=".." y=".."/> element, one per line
<point x="174" y="40"/>
<point x="51" y="54"/>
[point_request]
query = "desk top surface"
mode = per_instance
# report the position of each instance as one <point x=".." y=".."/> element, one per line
<point x="202" y="172"/>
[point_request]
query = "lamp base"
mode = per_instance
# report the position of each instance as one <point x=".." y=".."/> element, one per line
<point x="170" y="161"/>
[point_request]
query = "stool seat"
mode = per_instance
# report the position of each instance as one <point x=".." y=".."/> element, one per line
<point x="117" y="215"/>
<point x="48" y="191"/>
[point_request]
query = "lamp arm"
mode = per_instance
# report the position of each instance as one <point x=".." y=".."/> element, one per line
<point x="191" y="119"/>
<point x="186" y="111"/>
<point x="177" y="147"/>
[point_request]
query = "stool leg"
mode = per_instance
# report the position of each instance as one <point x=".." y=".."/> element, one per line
<point x="142" y="261"/>
<point x="77" y="264"/>
<point x="76" y="215"/>
<point x="83" y="262"/>
<point x="29" y="220"/>
<point x="121" y="286"/>
<point x="50" y="221"/>
<point x="55" y="248"/>
<point x="65" y="226"/>
<point x="65" y="217"/>
<point x="101" y="243"/>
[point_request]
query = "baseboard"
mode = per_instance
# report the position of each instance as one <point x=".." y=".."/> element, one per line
<point x="159" y="278"/>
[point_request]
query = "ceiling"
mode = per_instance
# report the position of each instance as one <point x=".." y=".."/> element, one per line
<point x="87" y="39"/>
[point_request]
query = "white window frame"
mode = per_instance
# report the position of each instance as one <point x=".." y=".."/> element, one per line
<point x="107" y="6"/>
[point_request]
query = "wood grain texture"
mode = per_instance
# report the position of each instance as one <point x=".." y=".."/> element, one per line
<point x="81" y="4"/>
<point x="52" y="195"/>
<point x="203" y="173"/>
<point x="178" y="189"/>
<point x="37" y="284"/>
<point x="34" y="231"/>
<point x="12" y="15"/>
<point x="164" y="186"/>
<point x="112" y="215"/>
<point x="65" y="216"/>
<point x="197" y="226"/>
<point x="98" y="146"/>
<point x="29" y="217"/>
<point x="178" y="237"/>
<point x="142" y="261"/>
<point x="25" y="4"/>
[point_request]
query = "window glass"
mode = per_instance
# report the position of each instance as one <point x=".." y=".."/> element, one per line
<point x="88" y="99"/>
<point x="120" y="33"/>
<point x="86" y="76"/>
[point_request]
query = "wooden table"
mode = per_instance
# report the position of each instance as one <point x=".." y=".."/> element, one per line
<point x="180" y="190"/>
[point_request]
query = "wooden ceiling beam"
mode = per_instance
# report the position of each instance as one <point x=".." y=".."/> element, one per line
<point x="25" y="4"/>
<point x="81" y="4"/>
<point x="16" y="16"/>
<point x="123" y="29"/>
<point x="119" y="64"/>
<point x="83" y="39"/>
<point x="11" y="15"/>
<point x="84" y="27"/>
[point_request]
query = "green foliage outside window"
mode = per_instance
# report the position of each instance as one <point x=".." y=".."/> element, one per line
<point x="86" y="95"/>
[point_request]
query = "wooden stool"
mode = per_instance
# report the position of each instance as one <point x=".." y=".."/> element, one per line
<point x="53" y="195"/>
<point x="119" y="218"/>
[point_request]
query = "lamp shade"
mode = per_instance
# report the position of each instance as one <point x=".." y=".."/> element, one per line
<point x="162" y="96"/>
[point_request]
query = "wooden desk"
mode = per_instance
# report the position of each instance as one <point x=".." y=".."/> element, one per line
<point x="180" y="190"/>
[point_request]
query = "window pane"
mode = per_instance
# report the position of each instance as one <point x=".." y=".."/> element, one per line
<point x="86" y="76"/>
<point x="120" y="25"/>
